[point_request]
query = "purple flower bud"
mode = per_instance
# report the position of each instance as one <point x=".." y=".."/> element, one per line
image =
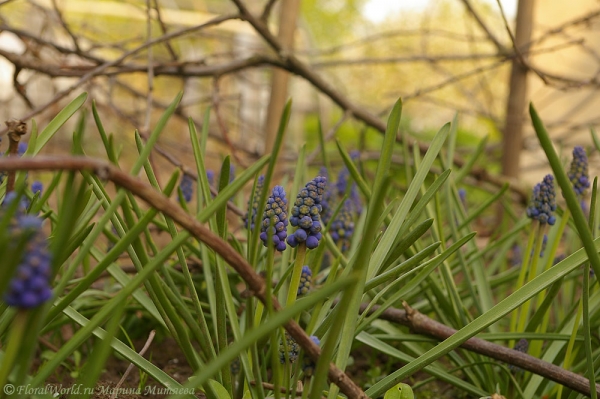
<point x="543" y="202"/>
<point x="187" y="187"/>
<point x="275" y="214"/>
<point x="30" y="285"/>
<point x="578" y="172"/>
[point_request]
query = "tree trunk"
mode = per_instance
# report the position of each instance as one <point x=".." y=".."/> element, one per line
<point x="517" y="97"/>
<point x="288" y="15"/>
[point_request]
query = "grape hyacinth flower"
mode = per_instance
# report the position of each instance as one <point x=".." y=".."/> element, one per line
<point x="293" y="349"/>
<point x="521" y="346"/>
<point x="578" y="172"/>
<point x="306" y="214"/>
<point x="343" y="226"/>
<point x="37" y="187"/>
<point x="275" y="218"/>
<point x="235" y="367"/>
<point x="543" y="202"/>
<point x="305" y="281"/>
<point x="187" y="187"/>
<point x="308" y="365"/>
<point x="30" y="286"/>
<point x="22" y="148"/>
<point x="326" y="201"/>
<point x="253" y="204"/>
<point x="210" y="176"/>
<point x="342" y="185"/>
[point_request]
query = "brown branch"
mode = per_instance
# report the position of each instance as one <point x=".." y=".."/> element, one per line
<point x="66" y="28"/>
<point x="499" y="46"/>
<point x="421" y="324"/>
<point x="412" y="58"/>
<point x="163" y="28"/>
<point x="101" y="68"/>
<point x="157" y="200"/>
<point x="267" y="11"/>
<point x="221" y="122"/>
<point x="298" y="67"/>
<point x="16" y="129"/>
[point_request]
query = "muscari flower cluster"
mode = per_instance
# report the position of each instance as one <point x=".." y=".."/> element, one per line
<point x="37" y="187"/>
<point x="578" y="172"/>
<point x="326" y="211"/>
<point x="343" y="226"/>
<point x="342" y="185"/>
<point x="275" y="220"/>
<point x="543" y="202"/>
<point x="235" y="367"/>
<point x="305" y="281"/>
<point x="30" y="286"/>
<point x="293" y="349"/>
<point x="308" y="365"/>
<point x="187" y="187"/>
<point x="521" y="346"/>
<point x="306" y="214"/>
<point x="250" y="216"/>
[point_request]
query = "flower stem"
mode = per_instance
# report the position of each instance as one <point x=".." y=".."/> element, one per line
<point x="17" y="333"/>
<point x="296" y="274"/>
<point x="523" y="273"/>
<point x="524" y="316"/>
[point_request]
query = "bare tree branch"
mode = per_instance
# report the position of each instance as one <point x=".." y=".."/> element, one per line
<point x="421" y="324"/>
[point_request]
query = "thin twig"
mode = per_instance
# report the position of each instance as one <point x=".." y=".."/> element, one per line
<point x="221" y="122"/>
<point x="101" y="68"/>
<point x="131" y="365"/>
<point x="328" y="136"/>
<point x="163" y="27"/>
<point x="520" y="55"/>
<point x="499" y="46"/>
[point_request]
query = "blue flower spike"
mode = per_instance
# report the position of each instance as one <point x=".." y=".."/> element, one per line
<point x="30" y="286"/>
<point x="187" y="187"/>
<point x="305" y="281"/>
<point x="543" y="202"/>
<point x="36" y="187"/>
<point x="293" y="349"/>
<point x="521" y="346"/>
<point x="275" y="218"/>
<point x="578" y="172"/>
<point x="308" y="365"/>
<point x="306" y="214"/>
<point x="250" y="217"/>
<point x="343" y="226"/>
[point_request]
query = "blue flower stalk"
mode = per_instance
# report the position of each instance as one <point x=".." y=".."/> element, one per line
<point x="290" y="347"/>
<point x="275" y="220"/>
<point x="250" y="217"/>
<point x="37" y="187"/>
<point x="187" y="187"/>
<point x="543" y="202"/>
<point x="541" y="210"/>
<point x="343" y="226"/>
<point x="308" y="365"/>
<point x="578" y="172"/>
<point x="30" y="286"/>
<point x="521" y="346"/>
<point x="306" y="216"/>
<point x="305" y="281"/>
